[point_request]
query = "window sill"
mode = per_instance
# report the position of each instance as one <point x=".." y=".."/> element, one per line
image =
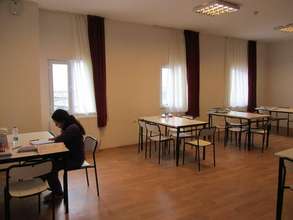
<point x="92" y="115"/>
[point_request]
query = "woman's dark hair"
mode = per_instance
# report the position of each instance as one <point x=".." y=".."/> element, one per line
<point x="66" y="119"/>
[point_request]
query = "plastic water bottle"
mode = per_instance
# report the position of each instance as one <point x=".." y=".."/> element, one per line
<point x="15" y="134"/>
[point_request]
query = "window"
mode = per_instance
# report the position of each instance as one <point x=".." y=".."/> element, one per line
<point x="237" y="70"/>
<point x="71" y="87"/>
<point x="173" y="89"/>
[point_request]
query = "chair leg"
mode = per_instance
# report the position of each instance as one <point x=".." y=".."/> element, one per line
<point x="277" y="126"/>
<point x="214" y="153"/>
<point x="87" y="177"/>
<point x="198" y="158"/>
<point x="183" y="156"/>
<point x="97" y="182"/>
<point x="7" y="204"/>
<point x="267" y="141"/>
<point x="150" y="150"/>
<point x="263" y="142"/>
<point x="39" y="203"/>
<point x="146" y="149"/>
<point x="159" y="152"/>
<point x="53" y="206"/>
<point x="204" y="153"/>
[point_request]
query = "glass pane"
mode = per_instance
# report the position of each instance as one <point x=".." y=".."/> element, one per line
<point x="60" y="86"/>
<point x="164" y="95"/>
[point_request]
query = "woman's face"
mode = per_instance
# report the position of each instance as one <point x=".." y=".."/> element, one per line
<point x="58" y="124"/>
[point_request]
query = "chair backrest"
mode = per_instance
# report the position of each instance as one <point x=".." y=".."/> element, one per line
<point x="289" y="166"/>
<point x="153" y="129"/>
<point x="141" y="124"/>
<point x="29" y="171"/>
<point x="90" y="144"/>
<point x="263" y="112"/>
<point x="208" y="133"/>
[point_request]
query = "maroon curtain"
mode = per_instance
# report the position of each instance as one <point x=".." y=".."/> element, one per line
<point x="252" y="69"/>
<point x="192" y="65"/>
<point x="96" y="34"/>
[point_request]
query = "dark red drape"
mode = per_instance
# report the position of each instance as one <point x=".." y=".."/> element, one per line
<point x="96" y="34"/>
<point x="192" y="65"/>
<point x="252" y="69"/>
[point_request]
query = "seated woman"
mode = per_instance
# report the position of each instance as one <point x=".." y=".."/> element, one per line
<point x="72" y="136"/>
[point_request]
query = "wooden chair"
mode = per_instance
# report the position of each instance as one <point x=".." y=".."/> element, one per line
<point x="24" y="181"/>
<point x="155" y="135"/>
<point x="206" y="138"/>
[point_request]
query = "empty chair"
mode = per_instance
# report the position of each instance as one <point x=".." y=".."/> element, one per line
<point x="24" y="181"/>
<point x="275" y="117"/>
<point x="264" y="131"/>
<point x="155" y="135"/>
<point x="91" y="147"/>
<point x="205" y="138"/>
<point x="236" y="127"/>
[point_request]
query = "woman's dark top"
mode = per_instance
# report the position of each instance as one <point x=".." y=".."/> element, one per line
<point x="73" y="140"/>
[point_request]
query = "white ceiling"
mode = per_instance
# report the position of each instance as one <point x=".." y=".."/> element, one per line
<point x="178" y="14"/>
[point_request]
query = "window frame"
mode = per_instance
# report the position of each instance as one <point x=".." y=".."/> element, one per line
<point x="51" y="62"/>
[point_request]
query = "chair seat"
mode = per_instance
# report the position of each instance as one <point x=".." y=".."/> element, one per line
<point x="86" y="164"/>
<point x="183" y="135"/>
<point x="200" y="143"/>
<point x="258" y="131"/>
<point x="27" y="187"/>
<point x="237" y="129"/>
<point x="220" y="126"/>
<point x="5" y="166"/>
<point x="163" y="138"/>
<point x="274" y="118"/>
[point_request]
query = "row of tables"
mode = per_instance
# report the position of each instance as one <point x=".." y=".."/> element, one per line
<point x="180" y="123"/>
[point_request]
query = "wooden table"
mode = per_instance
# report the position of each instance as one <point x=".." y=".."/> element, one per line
<point x="178" y="123"/>
<point x="53" y="150"/>
<point x="287" y="111"/>
<point x="283" y="155"/>
<point x="249" y="117"/>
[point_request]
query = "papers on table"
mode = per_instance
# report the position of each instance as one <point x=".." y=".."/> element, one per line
<point x="28" y="148"/>
<point x="40" y="142"/>
<point x="6" y="153"/>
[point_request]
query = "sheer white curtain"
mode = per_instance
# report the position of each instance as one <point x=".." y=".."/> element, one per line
<point x="83" y="99"/>
<point x="174" y="79"/>
<point x="236" y="73"/>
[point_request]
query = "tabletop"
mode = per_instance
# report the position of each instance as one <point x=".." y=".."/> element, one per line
<point x="41" y="150"/>
<point x="242" y="115"/>
<point x="175" y="122"/>
<point x="275" y="109"/>
<point x="285" y="154"/>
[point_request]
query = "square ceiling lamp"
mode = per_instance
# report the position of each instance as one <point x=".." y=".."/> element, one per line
<point x="217" y="8"/>
<point x="286" y="28"/>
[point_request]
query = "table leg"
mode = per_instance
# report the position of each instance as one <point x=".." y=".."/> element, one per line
<point x="281" y="182"/>
<point x="177" y="147"/>
<point x="288" y="122"/>
<point x="65" y="186"/>
<point x="210" y="121"/>
<point x="249" y="135"/>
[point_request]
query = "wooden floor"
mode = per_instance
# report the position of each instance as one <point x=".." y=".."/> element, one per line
<point x="241" y="187"/>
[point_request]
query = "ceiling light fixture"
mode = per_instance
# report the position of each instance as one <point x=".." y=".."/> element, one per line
<point x="286" y="28"/>
<point x="218" y="7"/>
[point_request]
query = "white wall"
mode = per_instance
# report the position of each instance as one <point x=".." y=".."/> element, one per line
<point x="279" y="88"/>
<point x="134" y="56"/>
<point x="19" y="68"/>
